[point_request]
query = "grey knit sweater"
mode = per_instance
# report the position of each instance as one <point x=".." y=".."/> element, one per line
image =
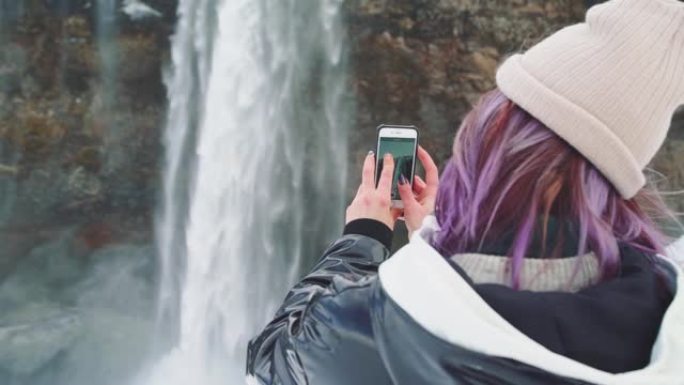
<point x="569" y="274"/>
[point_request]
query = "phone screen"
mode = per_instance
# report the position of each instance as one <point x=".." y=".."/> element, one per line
<point x="403" y="150"/>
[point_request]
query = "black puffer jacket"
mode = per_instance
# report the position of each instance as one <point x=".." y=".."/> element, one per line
<point x="421" y="320"/>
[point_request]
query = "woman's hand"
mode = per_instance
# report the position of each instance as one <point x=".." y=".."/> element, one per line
<point x="371" y="202"/>
<point x="418" y="206"/>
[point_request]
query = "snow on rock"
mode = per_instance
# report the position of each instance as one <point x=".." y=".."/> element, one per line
<point x="137" y="10"/>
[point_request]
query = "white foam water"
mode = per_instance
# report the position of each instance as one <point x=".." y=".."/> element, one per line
<point x="254" y="178"/>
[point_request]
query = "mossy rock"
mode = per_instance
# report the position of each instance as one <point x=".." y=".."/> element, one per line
<point x="89" y="158"/>
<point x="80" y="56"/>
<point x="38" y="134"/>
<point x="76" y="27"/>
<point x="139" y="56"/>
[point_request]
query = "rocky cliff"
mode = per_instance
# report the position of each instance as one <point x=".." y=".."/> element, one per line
<point x="425" y="62"/>
<point x="82" y="106"/>
<point x="82" y="99"/>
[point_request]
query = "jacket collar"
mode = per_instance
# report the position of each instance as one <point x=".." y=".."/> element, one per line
<point x="466" y="320"/>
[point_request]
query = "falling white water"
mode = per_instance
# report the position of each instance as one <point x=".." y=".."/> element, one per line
<point x="106" y="16"/>
<point x="255" y="171"/>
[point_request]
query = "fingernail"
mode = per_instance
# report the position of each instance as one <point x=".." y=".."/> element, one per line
<point x="402" y="179"/>
<point x="370" y="153"/>
<point x="388" y="156"/>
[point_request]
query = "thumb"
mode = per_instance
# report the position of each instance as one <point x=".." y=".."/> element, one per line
<point x="396" y="213"/>
<point x="412" y="207"/>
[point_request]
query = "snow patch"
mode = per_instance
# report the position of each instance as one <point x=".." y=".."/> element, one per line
<point x="137" y="10"/>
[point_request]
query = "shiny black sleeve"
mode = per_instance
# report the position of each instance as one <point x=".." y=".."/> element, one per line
<point x="323" y="328"/>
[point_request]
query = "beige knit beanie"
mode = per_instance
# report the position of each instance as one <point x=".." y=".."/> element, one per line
<point x="609" y="86"/>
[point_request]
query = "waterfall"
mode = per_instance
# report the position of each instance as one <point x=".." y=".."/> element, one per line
<point x="106" y="16"/>
<point x="8" y="186"/>
<point x="254" y="175"/>
<point x="186" y="88"/>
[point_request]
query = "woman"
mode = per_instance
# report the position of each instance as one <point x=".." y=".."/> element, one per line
<point x="542" y="263"/>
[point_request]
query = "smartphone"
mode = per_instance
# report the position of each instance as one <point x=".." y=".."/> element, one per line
<point x="402" y="143"/>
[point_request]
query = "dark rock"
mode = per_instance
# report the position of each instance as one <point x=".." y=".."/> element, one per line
<point x="139" y="57"/>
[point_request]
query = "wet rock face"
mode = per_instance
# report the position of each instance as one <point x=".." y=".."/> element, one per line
<point x="425" y="62"/>
<point x="81" y="114"/>
<point x="81" y="110"/>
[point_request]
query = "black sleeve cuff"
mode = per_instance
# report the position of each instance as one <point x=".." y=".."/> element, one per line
<point x="371" y="228"/>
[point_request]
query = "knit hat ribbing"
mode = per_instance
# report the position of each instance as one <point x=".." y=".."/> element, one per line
<point x="609" y="86"/>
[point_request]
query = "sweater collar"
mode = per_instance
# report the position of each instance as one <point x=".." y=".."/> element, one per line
<point x="570" y="273"/>
<point x="503" y="242"/>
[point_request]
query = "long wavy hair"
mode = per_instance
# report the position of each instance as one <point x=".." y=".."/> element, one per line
<point x="509" y="174"/>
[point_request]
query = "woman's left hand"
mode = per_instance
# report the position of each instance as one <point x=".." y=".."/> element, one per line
<point x="371" y="202"/>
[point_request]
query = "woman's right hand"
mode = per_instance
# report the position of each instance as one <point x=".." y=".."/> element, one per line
<point x="419" y="205"/>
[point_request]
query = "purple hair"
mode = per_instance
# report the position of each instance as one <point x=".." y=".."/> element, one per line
<point x="509" y="174"/>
